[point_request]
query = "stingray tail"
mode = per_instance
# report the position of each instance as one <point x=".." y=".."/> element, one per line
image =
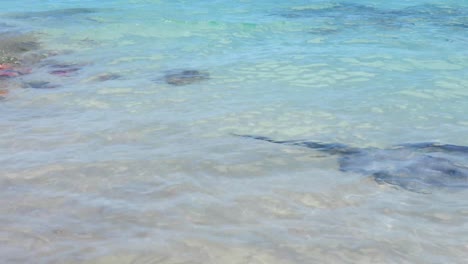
<point x="265" y="139"/>
<point x="331" y="148"/>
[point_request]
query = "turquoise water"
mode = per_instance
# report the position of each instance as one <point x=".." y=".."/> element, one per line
<point x="114" y="165"/>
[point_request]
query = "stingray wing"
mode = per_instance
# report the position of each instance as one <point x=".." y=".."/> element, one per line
<point x="435" y="147"/>
<point x="330" y="148"/>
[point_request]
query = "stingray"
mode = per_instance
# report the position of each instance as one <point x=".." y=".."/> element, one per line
<point x="185" y="77"/>
<point x="418" y="167"/>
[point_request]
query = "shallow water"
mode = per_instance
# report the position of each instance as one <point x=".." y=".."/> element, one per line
<point x="114" y="165"/>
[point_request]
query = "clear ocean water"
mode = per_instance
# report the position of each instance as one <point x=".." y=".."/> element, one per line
<point x="114" y="165"/>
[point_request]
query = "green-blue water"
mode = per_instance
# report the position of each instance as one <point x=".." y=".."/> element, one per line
<point x="114" y="165"/>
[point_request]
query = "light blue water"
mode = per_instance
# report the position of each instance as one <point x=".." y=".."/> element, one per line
<point x="135" y="169"/>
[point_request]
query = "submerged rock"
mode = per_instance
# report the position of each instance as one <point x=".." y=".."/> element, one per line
<point x="63" y="69"/>
<point x="64" y="72"/>
<point x="13" y="44"/>
<point x="104" y="77"/>
<point x="20" y="54"/>
<point x="8" y="71"/>
<point x="185" y="77"/>
<point x="14" y="47"/>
